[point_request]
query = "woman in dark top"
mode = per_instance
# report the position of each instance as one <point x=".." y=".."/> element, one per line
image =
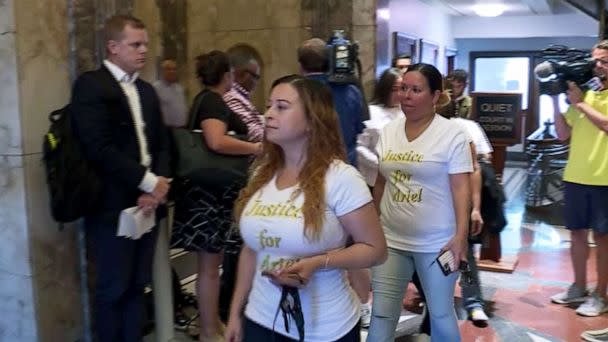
<point x="203" y="216"/>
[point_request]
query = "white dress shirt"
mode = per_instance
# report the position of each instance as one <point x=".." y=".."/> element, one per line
<point x="127" y="83"/>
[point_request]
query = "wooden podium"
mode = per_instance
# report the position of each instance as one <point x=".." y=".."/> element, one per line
<point x="499" y="115"/>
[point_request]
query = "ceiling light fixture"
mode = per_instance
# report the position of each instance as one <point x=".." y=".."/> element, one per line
<point x="489" y="10"/>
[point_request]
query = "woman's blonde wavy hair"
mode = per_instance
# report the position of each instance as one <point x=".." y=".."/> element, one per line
<point x="324" y="147"/>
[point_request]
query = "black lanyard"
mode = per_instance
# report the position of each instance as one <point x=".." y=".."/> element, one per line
<point x="291" y="306"/>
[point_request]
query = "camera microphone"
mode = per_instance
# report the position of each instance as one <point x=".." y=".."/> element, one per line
<point x="544" y="71"/>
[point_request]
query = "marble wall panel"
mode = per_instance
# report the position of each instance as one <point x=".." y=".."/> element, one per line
<point x="340" y="16"/>
<point x="202" y="15"/>
<point x="199" y="42"/>
<point x="42" y="61"/>
<point x="10" y="123"/>
<point x="84" y="31"/>
<point x="366" y="37"/>
<point x="243" y="14"/>
<point x="17" y="322"/>
<point x="14" y="249"/>
<point x="364" y="12"/>
<point x="285" y="13"/>
<point x="148" y="12"/>
<point x="56" y="285"/>
<point x="174" y="31"/>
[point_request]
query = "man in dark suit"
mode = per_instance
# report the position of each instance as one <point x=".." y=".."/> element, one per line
<point x="116" y="117"/>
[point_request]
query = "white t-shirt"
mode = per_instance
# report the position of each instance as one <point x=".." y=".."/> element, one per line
<point x="367" y="161"/>
<point x="417" y="212"/>
<point x="478" y="136"/>
<point x="272" y="225"/>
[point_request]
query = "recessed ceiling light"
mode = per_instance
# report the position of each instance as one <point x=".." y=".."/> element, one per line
<point x="384" y="13"/>
<point x="489" y="10"/>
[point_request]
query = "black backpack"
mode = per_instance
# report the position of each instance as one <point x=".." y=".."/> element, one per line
<point x="74" y="186"/>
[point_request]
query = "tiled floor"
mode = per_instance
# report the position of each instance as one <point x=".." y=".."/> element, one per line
<point x="518" y="304"/>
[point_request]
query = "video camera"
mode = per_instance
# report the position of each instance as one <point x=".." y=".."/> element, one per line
<point x="342" y="59"/>
<point x="563" y="64"/>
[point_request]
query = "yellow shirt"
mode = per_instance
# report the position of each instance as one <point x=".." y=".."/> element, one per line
<point x="588" y="158"/>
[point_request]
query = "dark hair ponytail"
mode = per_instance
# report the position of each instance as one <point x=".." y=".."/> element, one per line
<point x="211" y="67"/>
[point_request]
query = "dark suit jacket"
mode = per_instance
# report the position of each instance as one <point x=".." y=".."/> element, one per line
<point x="102" y="121"/>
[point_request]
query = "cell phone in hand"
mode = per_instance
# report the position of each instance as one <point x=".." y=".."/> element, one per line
<point x="446" y="262"/>
<point x="268" y="274"/>
<point x="284" y="277"/>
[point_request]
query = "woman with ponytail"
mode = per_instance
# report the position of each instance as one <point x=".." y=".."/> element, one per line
<point x="423" y="196"/>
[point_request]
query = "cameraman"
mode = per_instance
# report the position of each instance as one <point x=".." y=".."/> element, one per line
<point x="348" y="100"/>
<point x="586" y="185"/>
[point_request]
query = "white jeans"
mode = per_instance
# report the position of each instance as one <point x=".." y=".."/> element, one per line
<point x="389" y="282"/>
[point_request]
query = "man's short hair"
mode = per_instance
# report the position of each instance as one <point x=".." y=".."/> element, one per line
<point x="240" y="56"/>
<point x="166" y="62"/>
<point x="602" y="45"/>
<point x="398" y="57"/>
<point x="115" y="26"/>
<point x="459" y="75"/>
<point x="312" y="55"/>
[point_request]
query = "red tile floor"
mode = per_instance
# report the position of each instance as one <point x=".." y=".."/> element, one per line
<point x="518" y="303"/>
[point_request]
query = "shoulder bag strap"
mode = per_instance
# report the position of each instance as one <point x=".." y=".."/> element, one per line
<point x="196" y="105"/>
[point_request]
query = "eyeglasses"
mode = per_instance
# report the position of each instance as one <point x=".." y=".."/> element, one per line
<point x="253" y="74"/>
<point x="601" y="62"/>
<point x="291" y="307"/>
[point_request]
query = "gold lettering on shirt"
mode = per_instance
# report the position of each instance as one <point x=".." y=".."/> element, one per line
<point x="268" y="241"/>
<point x="411" y="196"/>
<point x="277" y="264"/>
<point x="285" y="209"/>
<point x="399" y="176"/>
<point x="403" y="157"/>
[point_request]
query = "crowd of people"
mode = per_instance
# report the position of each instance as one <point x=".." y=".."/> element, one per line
<point x="343" y="205"/>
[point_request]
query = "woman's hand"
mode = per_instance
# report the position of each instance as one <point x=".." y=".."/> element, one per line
<point x="476" y="222"/>
<point x="234" y="330"/>
<point x="298" y="274"/>
<point x="458" y="247"/>
<point x="259" y="149"/>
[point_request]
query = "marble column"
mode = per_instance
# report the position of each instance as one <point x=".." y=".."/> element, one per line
<point x="364" y="33"/>
<point x="39" y="289"/>
<point x="148" y="12"/>
<point x="174" y="33"/>
<point x="16" y="293"/>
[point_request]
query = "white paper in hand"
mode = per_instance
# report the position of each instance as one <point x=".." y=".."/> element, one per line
<point x="133" y="223"/>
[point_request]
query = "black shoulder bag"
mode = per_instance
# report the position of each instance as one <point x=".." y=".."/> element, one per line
<point x="197" y="163"/>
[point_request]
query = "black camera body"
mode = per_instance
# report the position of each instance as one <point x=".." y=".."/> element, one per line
<point x="342" y="59"/>
<point x="562" y="65"/>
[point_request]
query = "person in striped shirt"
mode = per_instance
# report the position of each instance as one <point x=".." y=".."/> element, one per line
<point x="238" y="99"/>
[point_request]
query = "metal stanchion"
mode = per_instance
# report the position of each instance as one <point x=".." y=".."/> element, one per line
<point x="84" y="283"/>
<point x="162" y="287"/>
